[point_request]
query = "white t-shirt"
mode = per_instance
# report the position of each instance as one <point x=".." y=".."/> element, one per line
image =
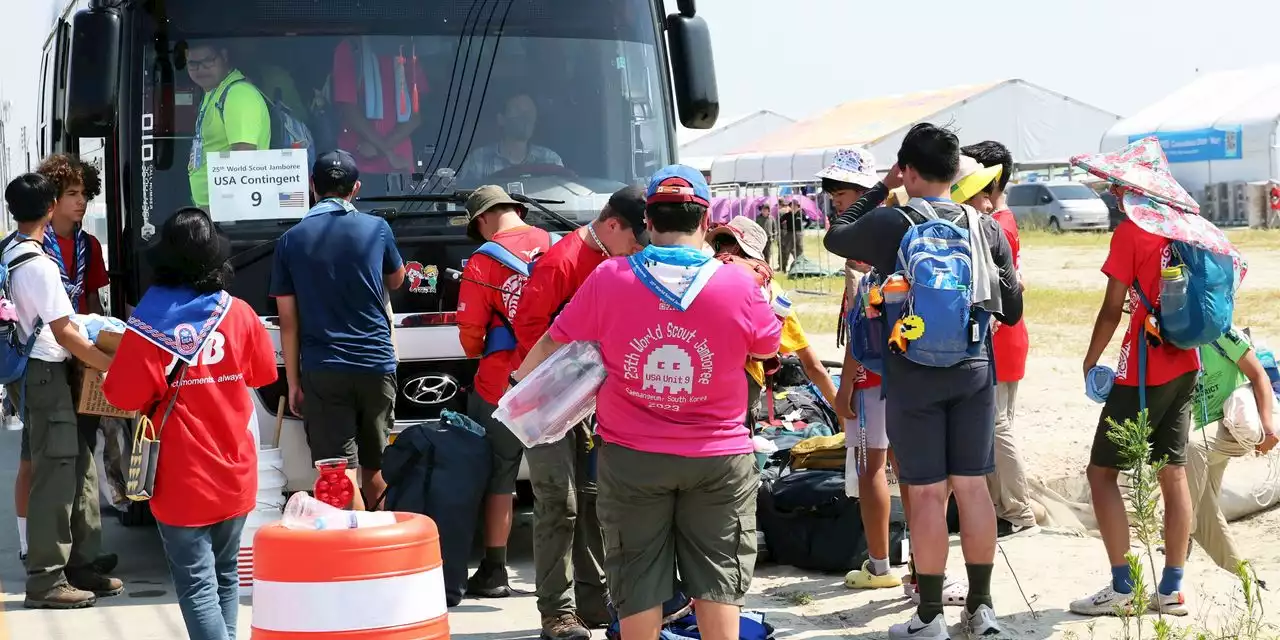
<point x="37" y="292"/>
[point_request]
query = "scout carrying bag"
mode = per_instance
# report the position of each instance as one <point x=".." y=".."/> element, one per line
<point x="287" y="131"/>
<point x="939" y="327"/>
<point x="14" y="349"/>
<point x="145" y="457"/>
<point x="503" y="337"/>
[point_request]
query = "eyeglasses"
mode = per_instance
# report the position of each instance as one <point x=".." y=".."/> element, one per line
<point x="203" y="63"/>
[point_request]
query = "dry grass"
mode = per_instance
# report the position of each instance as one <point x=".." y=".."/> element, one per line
<point x="1060" y="318"/>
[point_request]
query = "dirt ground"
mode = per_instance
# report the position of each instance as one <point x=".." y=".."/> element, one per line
<point x="1055" y="422"/>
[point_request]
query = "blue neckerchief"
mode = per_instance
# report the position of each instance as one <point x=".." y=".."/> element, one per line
<point x="330" y="205"/>
<point x="54" y="250"/>
<point x="675" y="274"/>
<point x="178" y="319"/>
<point x="933" y="199"/>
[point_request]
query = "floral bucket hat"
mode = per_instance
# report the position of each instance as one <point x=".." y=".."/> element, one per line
<point x="853" y="165"/>
<point x="1151" y="198"/>
<point x="1140" y="167"/>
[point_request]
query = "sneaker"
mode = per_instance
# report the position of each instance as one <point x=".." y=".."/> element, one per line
<point x="1006" y="529"/>
<point x="564" y="626"/>
<point x="1174" y="604"/>
<point x="914" y="629"/>
<point x="1106" y="602"/>
<point x="63" y="596"/>
<point x="981" y="622"/>
<point x="864" y="579"/>
<point x="91" y="580"/>
<point x="489" y="581"/>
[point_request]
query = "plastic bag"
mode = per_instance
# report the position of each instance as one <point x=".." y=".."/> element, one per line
<point x="553" y="398"/>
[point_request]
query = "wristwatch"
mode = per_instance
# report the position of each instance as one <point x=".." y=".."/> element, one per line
<point x="511" y="379"/>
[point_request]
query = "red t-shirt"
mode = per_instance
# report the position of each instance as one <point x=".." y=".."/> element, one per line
<point x="208" y="468"/>
<point x="1011" y="343"/>
<point x="95" y="277"/>
<point x="559" y="274"/>
<point x="347" y="89"/>
<point x="863" y="379"/>
<point x="1138" y="254"/>
<point x="478" y="307"/>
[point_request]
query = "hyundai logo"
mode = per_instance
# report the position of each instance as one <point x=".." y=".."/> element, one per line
<point x="429" y="390"/>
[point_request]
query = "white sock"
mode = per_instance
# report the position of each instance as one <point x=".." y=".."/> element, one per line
<point x="879" y="566"/>
<point x="22" y="536"/>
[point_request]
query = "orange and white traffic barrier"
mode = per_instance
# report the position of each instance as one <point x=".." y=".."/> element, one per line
<point x="382" y="582"/>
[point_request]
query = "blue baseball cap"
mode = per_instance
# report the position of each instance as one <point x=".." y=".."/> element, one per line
<point x="678" y="183"/>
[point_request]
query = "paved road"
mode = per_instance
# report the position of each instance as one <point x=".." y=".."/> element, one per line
<point x="148" y="609"/>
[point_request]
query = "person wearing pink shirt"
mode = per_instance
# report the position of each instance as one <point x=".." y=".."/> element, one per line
<point x="677" y="478"/>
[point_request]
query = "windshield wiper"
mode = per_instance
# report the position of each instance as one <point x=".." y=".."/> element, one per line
<point x="460" y="197"/>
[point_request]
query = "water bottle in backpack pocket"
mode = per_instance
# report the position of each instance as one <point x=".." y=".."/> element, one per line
<point x="1197" y="297"/>
<point x="940" y="327"/>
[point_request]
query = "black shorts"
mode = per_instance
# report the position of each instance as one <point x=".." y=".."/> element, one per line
<point x="505" y="448"/>
<point x="941" y="422"/>
<point x="348" y="415"/>
<point x="1169" y="412"/>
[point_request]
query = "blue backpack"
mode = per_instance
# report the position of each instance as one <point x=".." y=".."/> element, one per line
<point x="14" y="350"/>
<point x="1206" y="313"/>
<point x="287" y="131"/>
<point x="503" y="338"/>
<point x="936" y="258"/>
<point x="868" y="336"/>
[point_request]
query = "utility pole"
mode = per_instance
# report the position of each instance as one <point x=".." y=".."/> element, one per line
<point x="25" y="153"/>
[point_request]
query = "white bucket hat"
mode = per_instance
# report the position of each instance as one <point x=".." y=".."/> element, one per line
<point x="853" y="165"/>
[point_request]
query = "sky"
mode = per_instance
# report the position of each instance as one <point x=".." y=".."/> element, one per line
<point x="800" y="57"/>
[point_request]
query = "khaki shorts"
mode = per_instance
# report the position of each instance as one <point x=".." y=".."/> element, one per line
<point x="348" y="415"/>
<point x="664" y="514"/>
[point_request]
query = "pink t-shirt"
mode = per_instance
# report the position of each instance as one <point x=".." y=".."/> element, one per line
<point x="674" y="380"/>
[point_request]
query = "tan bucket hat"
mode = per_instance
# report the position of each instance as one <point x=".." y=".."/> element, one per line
<point x="484" y="199"/>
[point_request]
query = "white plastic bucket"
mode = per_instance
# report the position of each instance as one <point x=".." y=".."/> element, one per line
<point x="244" y="563"/>
<point x="271" y="479"/>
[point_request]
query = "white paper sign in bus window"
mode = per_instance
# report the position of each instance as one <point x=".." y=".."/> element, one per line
<point x="268" y="184"/>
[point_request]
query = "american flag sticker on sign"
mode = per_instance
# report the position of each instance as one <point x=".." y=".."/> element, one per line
<point x="296" y="199"/>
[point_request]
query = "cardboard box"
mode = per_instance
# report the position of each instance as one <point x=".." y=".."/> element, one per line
<point x="91" y="401"/>
<point x="109" y="342"/>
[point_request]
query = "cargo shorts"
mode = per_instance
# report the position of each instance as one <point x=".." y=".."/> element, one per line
<point x="664" y="514"/>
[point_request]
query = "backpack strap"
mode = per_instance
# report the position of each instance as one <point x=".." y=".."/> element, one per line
<point x="505" y="257"/>
<point x="221" y="103"/>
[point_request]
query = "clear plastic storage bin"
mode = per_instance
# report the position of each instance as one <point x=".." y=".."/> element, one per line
<point x="553" y="398"/>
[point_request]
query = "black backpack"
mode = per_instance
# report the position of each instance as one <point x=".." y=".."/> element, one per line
<point x="441" y="471"/>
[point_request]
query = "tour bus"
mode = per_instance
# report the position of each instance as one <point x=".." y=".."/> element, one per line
<point x="593" y="85"/>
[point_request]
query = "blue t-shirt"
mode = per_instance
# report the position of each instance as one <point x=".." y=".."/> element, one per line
<point x="333" y="261"/>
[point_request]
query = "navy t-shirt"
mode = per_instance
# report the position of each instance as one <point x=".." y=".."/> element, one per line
<point x="333" y="262"/>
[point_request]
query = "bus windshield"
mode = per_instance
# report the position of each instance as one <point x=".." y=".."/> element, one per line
<point x="559" y="100"/>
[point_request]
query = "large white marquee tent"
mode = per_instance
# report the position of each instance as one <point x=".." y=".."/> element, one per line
<point x="1040" y="126"/>
<point x="1222" y="127"/>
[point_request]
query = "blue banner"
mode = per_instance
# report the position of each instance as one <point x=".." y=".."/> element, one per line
<point x="1198" y="145"/>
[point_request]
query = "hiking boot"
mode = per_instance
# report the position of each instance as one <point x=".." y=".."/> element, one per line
<point x="63" y="596"/>
<point x="91" y="580"/>
<point x="106" y="563"/>
<point x="489" y="581"/>
<point x="564" y="626"/>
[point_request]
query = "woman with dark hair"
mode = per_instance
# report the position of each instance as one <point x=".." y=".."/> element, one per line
<point x="189" y="356"/>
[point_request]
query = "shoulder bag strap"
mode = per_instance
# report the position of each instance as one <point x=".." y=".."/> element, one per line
<point x="178" y="375"/>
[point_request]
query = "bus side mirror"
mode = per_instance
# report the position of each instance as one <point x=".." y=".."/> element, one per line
<point x="93" y="78"/>
<point x="693" y="69"/>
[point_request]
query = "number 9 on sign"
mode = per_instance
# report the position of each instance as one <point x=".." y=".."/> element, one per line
<point x="256" y="196"/>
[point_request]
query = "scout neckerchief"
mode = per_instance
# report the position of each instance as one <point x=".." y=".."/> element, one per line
<point x="330" y="205"/>
<point x="675" y="274"/>
<point x="51" y="247"/>
<point x="179" y="320"/>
